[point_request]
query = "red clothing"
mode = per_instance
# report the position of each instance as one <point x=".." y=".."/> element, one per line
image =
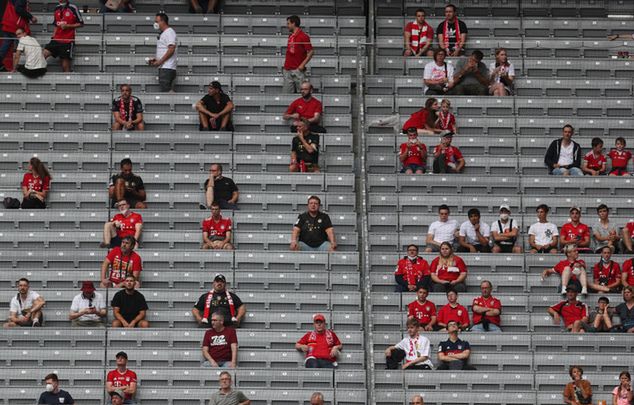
<point x="629" y="269"/>
<point x="575" y="233"/>
<point x="305" y="109"/>
<point x="318" y="345"/>
<point x="458" y="314"/>
<point x="595" y="162"/>
<point x="121" y="265"/>
<point x="119" y="380"/>
<point x="219" y="343"/>
<point x="297" y="48"/>
<point x="420" y="35"/>
<point x="447" y="122"/>
<point x="33" y="183"/>
<point x="559" y="267"/>
<point x="128" y="224"/>
<point x="452" y="154"/>
<point x="417" y="119"/>
<point x="611" y="272"/>
<point x="571" y="312"/>
<point x="630" y="228"/>
<point x="620" y="159"/>
<point x="444" y="273"/>
<point x="422" y="312"/>
<point x="490" y="302"/>
<point x="217" y="228"/>
<point x="412" y="272"/>
<point x="67" y="15"/>
<point x="417" y="154"/>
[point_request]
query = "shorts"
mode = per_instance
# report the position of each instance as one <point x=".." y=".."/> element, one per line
<point x="62" y="50"/>
<point x="505" y="248"/>
<point x="619" y="171"/>
<point x="413" y="168"/>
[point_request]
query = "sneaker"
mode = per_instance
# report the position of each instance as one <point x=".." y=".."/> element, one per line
<point x="104" y="245"/>
<point x="202" y="206"/>
<point x="36" y="323"/>
<point x="563" y="290"/>
<point x="584" y="292"/>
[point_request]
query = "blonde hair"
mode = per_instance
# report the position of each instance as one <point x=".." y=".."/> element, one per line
<point x="446" y="101"/>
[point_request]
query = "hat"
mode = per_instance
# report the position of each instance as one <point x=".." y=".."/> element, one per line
<point x="412" y="129"/>
<point x="574" y="208"/>
<point x="220" y="277"/>
<point x="446" y="134"/>
<point x="122" y="354"/>
<point x="505" y="207"/>
<point x="118" y="393"/>
<point x="215" y="85"/>
<point x="319" y="317"/>
<point x="87" y="286"/>
<point x="572" y="287"/>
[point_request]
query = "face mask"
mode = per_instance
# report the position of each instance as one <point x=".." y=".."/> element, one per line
<point x="49" y="387"/>
<point x="156" y="26"/>
<point x="604" y="260"/>
<point x="412" y="140"/>
<point x="504" y="217"/>
<point x="412" y="257"/>
<point x="124" y="211"/>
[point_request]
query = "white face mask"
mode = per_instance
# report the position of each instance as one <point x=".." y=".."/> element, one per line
<point x="124" y="211"/>
<point x="156" y="26"/>
<point x="504" y="216"/>
<point x="411" y="257"/>
<point x="413" y="140"/>
<point x="49" y="387"/>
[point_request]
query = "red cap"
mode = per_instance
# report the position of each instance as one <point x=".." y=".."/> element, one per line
<point x="87" y="286"/>
<point x="319" y="317"/>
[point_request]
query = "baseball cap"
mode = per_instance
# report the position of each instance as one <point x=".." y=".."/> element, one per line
<point x="215" y="85"/>
<point x="118" y="393"/>
<point x="505" y="207"/>
<point x="574" y="208"/>
<point x="319" y="317"/>
<point x="87" y="286"/>
<point x="122" y="354"/>
<point x="412" y="129"/>
<point x="447" y="134"/>
<point x="220" y="277"/>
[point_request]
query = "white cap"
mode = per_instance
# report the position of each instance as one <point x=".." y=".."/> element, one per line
<point x="505" y="207"/>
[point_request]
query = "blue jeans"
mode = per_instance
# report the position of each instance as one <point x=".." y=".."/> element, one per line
<point x="221" y="364"/>
<point x="324" y="247"/>
<point x="7" y="40"/>
<point x="492" y="328"/>
<point x="573" y="171"/>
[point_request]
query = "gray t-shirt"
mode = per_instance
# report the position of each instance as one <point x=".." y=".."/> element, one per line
<point x="470" y="78"/>
<point x="232" y="398"/>
<point x="604" y="232"/>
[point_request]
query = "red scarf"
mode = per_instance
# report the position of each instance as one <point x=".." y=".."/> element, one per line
<point x="210" y="295"/>
<point x="444" y="121"/>
<point x="445" y="37"/>
<point x="122" y="112"/>
<point x="412" y="347"/>
<point x="418" y="39"/>
<point x="329" y="337"/>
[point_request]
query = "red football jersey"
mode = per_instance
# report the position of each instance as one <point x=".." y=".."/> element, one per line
<point x="559" y="267"/>
<point x="422" y="312"/>
<point x="575" y="233"/>
<point x="417" y="119"/>
<point x="449" y="273"/>
<point x="121" y="265"/>
<point x="128" y="224"/>
<point x="33" y="183"/>
<point x="620" y="159"/>
<point x="571" y="312"/>
<point x="452" y="154"/>
<point x="305" y="109"/>
<point x="595" y="162"/>
<point x="69" y="14"/>
<point x="217" y="228"/>
<point x="611" y="272"/>
<point x="629" y="269"/>
<point x="122" y="380"/>
<point x="416" y="154"/>
<point x="297" y="48"/>
<point x="630" y="228"/>
<point x="458" y="314"/>
<point x="490" y="302"/>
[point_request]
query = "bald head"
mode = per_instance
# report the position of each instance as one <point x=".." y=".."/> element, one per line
<point x="317" y="399"/>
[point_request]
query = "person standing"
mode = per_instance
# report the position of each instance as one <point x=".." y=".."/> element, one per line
<point x="67" y="19"/>
<point x="299" y="51"/>
<point x="165" y="59"/>
<point x="35" y="64"/>
<point x="16" y="16"/>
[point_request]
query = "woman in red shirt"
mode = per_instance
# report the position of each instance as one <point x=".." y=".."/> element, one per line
<point x="35" y="185"/>
<point x="424" y="119"/>
<point x="448" y="271"/>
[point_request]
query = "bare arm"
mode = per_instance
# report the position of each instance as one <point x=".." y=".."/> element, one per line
<point x="138" y="228"/>
<point x="210" y="359"/>
<point x="105" y="281"/>
<point x="330" y="232"/>
<point x="309" y="56"/>
<point x="242" y="311"/>
<point x="295" y="238"/>
<point x="138" y="318"/>
<point x="234" y="355"/>
<point x="460" y="279"/>
<point x="170" y="51"/>
<point x="234" y="197"/>
<point x="116" y="311"/>
<point x="460" y="165"/>
<point x="16" y="59"/>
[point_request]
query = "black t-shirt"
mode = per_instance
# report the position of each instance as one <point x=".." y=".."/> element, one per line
<point x="223" y="188"/>
<point x="62" y="397"/>
<point x="312" y="230"/>
<point x="624" y="313"/>
<point x="302" y="154"/>
<point x="215" y="106"/>
<point x="129" y="305"/>
<point x="133" y="181"/>
<point x="137" y="107"/>
<point x="451" y="28"/>
<point x="219" y="303"/>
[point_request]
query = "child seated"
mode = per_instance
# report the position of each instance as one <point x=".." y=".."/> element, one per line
<point x="620" y="158"/>
<point x="593" y="163"/>
<point x="446" y="120"/>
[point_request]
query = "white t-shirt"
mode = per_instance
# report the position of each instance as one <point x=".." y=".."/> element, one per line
<point x="435" y="72"/>
<point x="167" y="38"/>
<point x="414" y="348"/>
<point x="510" y="69"/>
<point x="32" y="52"/>
<point x="565" y="154"/>
<point x="443" y="231"/>
<point x="543" y="232"/>
<point x="18" y="305"/>
<point x="467" y="230"/>
<point x="79" y="303"/>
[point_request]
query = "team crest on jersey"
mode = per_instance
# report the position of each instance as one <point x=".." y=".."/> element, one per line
<point x="427" y="308"/>
<point x="319" y="221"/>
<point x="459" y="347"/>
<point x="460" y="312"/>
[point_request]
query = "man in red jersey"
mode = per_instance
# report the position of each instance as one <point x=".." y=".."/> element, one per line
<point x="299" y="52"/>
<point x="423" y="310"/>
<point x="322" y="346"/>
<point x="418" y="36"/>
<point x="447" y="158"/>
<point x="307" y="107"/>
<point x="412" y="271"/>
<point x="125" y="223"/>
<point x="122" y="379"/>
<point x="627" y="275"/>
<point x="413" y="153"/>
<point x="574" y="313"/>
<point x="121" y="261"/>
<point x="486" y="310"/>
<point x="575" y="232"/>
<point x="628" y="237"/>
<point x="452" y="311"/>
<point x="67" y="18"/>
<point x="217" y="230"/>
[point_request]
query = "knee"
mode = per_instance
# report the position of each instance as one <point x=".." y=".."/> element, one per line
<point x="116" y="126"/>
<point x="292" y="167"/>
<point x="116" y="324"/>
<point x="144" y="324"/>
<point x="228" y="246"/>
<point x="140" y="126"/>
<point x="140" y="205"/>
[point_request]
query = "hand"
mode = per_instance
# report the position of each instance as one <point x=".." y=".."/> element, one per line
<point x="428" y="328"/>
<point x="411" y="287"/>
<point x="472" y="249"/>
<point x="129" y="125"/>
<point x="556" y="165"/>
<point x="334" y="352"/>
<point x="408" y="52"/>
<point x="304" y="348"/>
<point x="476" y="227"/>
<point x="232" y="365"/>
<point x="301" y="68"/>
<point x="33" y="19"/>
<point x="203" y="321"/>
<point x="131" y="324"/>
<point x="151" y="61"/>
<point x="63" y="26"/>
<point x="556" y="319"/>
<point x="213" y="363"/>
<point x="117" y="224"/>
<point x="198" y="9"/>
<point x="125" y="324"/>
<point x="105" y="283"/>
<point x="545" y="274"/>
<point x="613" y="37"/>
<point x="294" y="245"/>
<point x="406" y="365"/>
<point x="333" y="247"/>
<point x="388" y="352"/>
